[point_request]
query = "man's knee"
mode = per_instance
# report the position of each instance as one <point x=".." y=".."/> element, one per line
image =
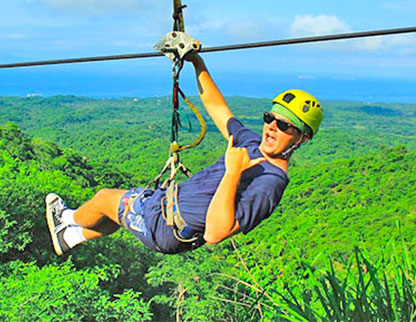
<point x="106" y="226"/>
<point x="110" y="193"/>
<point x="108" y="200"/>
<point x="104" y="193"/>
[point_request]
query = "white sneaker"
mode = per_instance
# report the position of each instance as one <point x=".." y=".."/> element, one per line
<point x="54" y="208"/>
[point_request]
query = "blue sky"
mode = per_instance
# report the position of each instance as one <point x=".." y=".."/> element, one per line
<point x="48" y="29"/>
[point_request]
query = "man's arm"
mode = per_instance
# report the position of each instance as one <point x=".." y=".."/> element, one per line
<point x="211" y="96"/>
<point x="220" y="221"/>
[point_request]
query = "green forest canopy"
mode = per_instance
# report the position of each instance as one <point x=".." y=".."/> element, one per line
<point x="352" y="186"/>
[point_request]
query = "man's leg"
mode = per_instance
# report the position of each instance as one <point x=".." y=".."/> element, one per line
<point x="99" y="216"/>
<point x="96" y="218"/>
<point x="101" y="211"/>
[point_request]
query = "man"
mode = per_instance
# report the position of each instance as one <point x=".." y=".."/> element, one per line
<point x="235" y="194"/>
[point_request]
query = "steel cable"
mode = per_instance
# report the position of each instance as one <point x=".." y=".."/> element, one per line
<point x="292" y="41"/>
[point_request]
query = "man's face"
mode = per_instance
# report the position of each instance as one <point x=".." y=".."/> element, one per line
<point x="274" y="140"/>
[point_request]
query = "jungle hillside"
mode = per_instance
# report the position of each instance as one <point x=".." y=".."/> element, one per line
<point x="339" y="247"/>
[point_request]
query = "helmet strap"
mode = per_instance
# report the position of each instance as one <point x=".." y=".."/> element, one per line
<point x="286" y="154"/>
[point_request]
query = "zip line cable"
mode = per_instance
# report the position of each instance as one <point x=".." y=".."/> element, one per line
<point x="291" y="41"/>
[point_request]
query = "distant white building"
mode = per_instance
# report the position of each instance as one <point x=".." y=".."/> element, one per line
<point x="34" y="95"/>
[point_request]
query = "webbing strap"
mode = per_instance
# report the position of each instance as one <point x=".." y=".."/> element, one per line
<point x="128" y="206"/>
<point x="178" y="24"/>
<point x="201" y="120"/>
<point x="175" y="46"/>
<point x="176" y="121"/>
<point x="172" y="214"/>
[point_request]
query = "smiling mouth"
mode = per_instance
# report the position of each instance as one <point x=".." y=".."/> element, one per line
<point x="270" y="139"/>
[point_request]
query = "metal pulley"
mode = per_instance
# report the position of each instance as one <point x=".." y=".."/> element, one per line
<point x="176" y="44"/>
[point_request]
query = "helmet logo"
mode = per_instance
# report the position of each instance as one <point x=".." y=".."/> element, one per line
<point x="307" y="106"/>
<point x="288" y="97"/>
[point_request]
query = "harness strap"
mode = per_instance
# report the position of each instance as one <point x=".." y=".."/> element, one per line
<point x="201" y="120"/>
<point x="178" y="23"/>
<point x="175" y="45"/>
<point x="171" y="195"/>
<point x="128" y="206"/>
<point x="172" y="215"/>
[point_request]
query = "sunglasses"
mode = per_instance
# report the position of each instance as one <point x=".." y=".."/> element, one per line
<point x="282" y="125"/>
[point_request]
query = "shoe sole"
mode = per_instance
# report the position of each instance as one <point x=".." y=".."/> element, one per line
<point x="49" y="200"/>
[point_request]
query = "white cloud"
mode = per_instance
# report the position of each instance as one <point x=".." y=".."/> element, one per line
<point x="383" y="43"/>
<point x="195" y="28"/>
<point x="401" y="44"/>
<point x="400" y="40"/>
<point x="308" y="25"/>
<point x="249" y="30"/>
<point x="222" y="30"/>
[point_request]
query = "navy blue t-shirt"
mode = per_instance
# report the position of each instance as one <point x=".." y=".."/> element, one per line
<point x="259" y="191"/>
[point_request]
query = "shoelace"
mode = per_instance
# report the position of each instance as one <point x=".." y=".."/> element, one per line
<point x="58" y="209"/>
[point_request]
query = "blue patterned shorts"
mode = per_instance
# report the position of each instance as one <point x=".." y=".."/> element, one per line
<point x="134" y="220"/>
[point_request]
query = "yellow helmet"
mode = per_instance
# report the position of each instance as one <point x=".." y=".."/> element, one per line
<point x="306" y="107"/>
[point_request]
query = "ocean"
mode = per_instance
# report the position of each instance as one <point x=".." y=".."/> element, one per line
<point x="151" y="82"/>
